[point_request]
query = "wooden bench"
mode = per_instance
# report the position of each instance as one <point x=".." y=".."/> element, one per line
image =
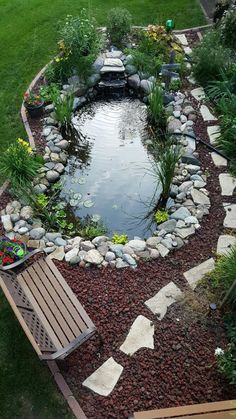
<point x="50" y="314"/>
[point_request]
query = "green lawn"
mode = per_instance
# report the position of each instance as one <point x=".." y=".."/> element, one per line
<point x="28" y="35"/>
<point x="27" y="390"/>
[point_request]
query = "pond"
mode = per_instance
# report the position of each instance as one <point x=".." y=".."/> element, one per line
<point x="107" y="172"/>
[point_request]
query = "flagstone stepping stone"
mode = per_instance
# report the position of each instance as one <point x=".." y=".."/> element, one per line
<point x="182" y="39"/>
<point x="206" y="114"/>
<point x="225" y="243"/>
<point x="140" y="336"/>
<point x="198" y="93"/>
<point x="213" y="133"/>
<point x="163" y="299"/>
<point x="230" y="218"/>
<point x="188" y="50"/>
<point x="218" y="160"/>
<point x="227" y="184"/>
<point x="194" y="275"/>
<point x="104" y="379"/>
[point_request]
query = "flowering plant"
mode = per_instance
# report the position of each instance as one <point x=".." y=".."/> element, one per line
<point x="11" y="251"/>
<point x="32" y="100"/>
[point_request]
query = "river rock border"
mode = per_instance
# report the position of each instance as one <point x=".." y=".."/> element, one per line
<point x="188" y="202"/>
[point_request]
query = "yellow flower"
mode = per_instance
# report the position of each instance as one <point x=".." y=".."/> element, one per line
<point x="57" y="60"/>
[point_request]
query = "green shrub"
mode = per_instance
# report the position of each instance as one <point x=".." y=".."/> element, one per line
<point x="119" y="238"/>
<point x="165" y="157"/>
<point x="228" y="32"/>
<point x="210" y="58"/>
<point x="18" y="165"/>
<point x="145" y="63"/>
<point x="223" y="276"/>
<point x="175" y="85"/>
<point x="226" y="359"/>
<point x="118" y="25"/>
<point x="161" y="216"/>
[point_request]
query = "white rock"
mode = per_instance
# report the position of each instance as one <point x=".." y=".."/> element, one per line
<point x="137" y="245"/>
<point x="191" y="220"/>
<point x="194" y="275"/>
<point x="230" y="218"/>
<point x="87" y="245"/>
<point x="183" y="233"/>
<point x="188" y="50"/>
<point x="225" y="244"/>
<point x="213" y="133"/>
<point x="162" y="250"/>
<point x="58" y="254"/>
<point x="206" y="114"/>
<point x="227" y="184"/>
<point x="198" y="93"/>
<point x="104" y="379"/>
<point x="163" y="299"/>
<point x="7" y="224"/>
<point x="182" y="38"/>
<point x="140" y="336"/>
<point x="218" y="160"/>
<point x="199" y="197"/>
<point x="26" y="213"/>
<point x="94" y="257"/>
<point x="72" y="253"/>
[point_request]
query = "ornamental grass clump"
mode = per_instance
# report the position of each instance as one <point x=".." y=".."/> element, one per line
<point x="19" y="165"/>
<point x="63" y="107"/>
<point x="166" y="155"/>
<point x="118" y="25"/>
<point x="156" y="110"/>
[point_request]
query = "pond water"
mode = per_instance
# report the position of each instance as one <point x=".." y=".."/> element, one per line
<point x="107" y="173"/>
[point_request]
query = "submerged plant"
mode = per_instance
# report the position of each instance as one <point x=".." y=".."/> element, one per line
<point x="161" y="216"/>
<point x="63" y="107"/>
<point x="119" y="238"/>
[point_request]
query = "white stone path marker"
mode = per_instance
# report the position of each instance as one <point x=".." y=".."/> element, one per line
<point x="198" y="93"/>
<point x="218" y="160"/>
<point x="227" y="184"/>
<point x="104" y="379"/>
<point x="225" y="243"/>
<point x="213" y="133"/>
<point x="182" y="39"/>
<point x="206" y="114"/>
<point x="140" y="336"/>
<point x="163" y="299"/>
<point x="230" y="219"/>
<point x="195" y="274"/>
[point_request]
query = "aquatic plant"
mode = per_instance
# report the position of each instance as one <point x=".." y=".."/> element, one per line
<point x="161" y="216"/>
<point x="119" y="238"/>
<point x="156" y="110"/>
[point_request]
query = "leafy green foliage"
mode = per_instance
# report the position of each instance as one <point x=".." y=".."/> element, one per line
<point x="18" y="164"/>
<point x="91" y="229"/>
<point x="165" y="157"/>
<point x="119" y="238"/>
<point x="63" y="107"/>
<point x="210" y="58"/>
<point x="226" y="360"/>
<point x="47" y="90"/>
<point x="228" y="25"/>
<point x="175" y="85"/>
<point x="156" y="110"/>
<point x="161" y="216"/>
<point x="145" y="63"/>
<point x="118" y="24"/>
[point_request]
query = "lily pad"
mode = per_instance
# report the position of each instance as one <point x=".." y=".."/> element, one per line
<point x="88" y="203"/>
<point x="73" y="202"/>
<point x="115" y="206"/>
<point x="77" y="196"/>
<point x="81" y="180"/>
<point x="95" y="218"/>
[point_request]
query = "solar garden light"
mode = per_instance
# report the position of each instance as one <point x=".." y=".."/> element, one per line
<point x="170" y="25"/>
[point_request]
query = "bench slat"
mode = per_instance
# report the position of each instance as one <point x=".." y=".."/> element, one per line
<point x="49" y="307"/>
<point x="80" y="309"/>
<point x="80" y="325"/>
<point x="55" y="304"/>
<point x="48" y="321"/>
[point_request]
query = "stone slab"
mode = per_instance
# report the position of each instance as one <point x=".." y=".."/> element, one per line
<point x="227" y="184"/>
<point x="113" y="62"/>
<point x="163" y="299"/>
<point x="140" y="336"/>
<point x="198" y="93"/>
<point x="110" y="69"/>
<point x="182" y="39"/>
<point x="213" y="133"/>
<point x="206" y="114"/>
<point x="218" y="160"/>
<point x="114" y="54"/>
<point x="230" y="218"/>
<point x="225" y="243"/>
<point x="104" y="379"/>
<point x="194" y="275"/>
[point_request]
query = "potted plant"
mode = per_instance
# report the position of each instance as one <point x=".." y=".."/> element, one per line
<point x="13" y="253"/>
<point x="34" y="104"/>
